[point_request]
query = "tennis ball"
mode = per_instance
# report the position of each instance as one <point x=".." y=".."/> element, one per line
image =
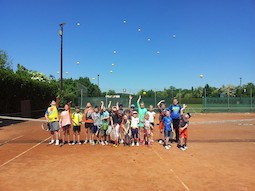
<point x="201" y="76"/>
<point x="144" y="93"/>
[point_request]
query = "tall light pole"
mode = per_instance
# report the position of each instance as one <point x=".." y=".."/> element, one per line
<point x="61" y="54"/>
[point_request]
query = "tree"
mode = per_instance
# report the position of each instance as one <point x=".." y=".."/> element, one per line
<point x="5" y="62"/>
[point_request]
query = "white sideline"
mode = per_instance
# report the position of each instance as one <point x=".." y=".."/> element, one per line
<point x="176" y="176"/>
<point x="7" y="162"/>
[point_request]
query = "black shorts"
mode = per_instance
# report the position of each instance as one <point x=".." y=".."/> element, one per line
<point x="89" y="125"/>
<point x="77" y="129"/>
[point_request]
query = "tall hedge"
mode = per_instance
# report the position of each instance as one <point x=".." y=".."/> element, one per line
<point x="15" y="88"/>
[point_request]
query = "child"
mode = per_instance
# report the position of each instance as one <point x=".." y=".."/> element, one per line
<point x="167" y="120"/>
<point x="52" y="116"/>
<point x="162" y="113"/>
<point x="142" y="111"/>
<point x="76" y="119"/>
<point x="147" y="129"/>
<point x="116" y="126"/>
<point x="65" y="123"/>
<point x="183" y="130"/>
<point x="126" y="129"/>
<point x="134" y="128"/>
<point x="105" y="121"/>
<point x="96" y="126"/>
<point x="152" y="115"/>
<point x="88" y="122"/>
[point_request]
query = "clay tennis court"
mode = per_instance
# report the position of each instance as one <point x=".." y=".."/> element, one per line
<point x="220" y="157"/>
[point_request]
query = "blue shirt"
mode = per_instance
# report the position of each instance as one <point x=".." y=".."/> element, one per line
<point x="175" y="111"/>
<point x="167" y="123"/>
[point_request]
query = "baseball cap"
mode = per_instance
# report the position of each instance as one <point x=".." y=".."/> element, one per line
<point x="121" y="104"/>
<point x="134" y="112"/>
<point x="132" y="105"/>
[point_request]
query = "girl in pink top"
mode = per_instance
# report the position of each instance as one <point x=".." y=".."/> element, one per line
<point x="65" y="123"/>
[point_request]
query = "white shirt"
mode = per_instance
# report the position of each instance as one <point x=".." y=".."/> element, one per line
<point x="151" y="116"/>
<point x="134" y="122"/>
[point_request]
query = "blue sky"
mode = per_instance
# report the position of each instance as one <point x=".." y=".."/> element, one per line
<point x="214" y="38"/>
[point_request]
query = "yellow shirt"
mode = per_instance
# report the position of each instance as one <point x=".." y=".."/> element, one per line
<point x="77" y="118"/>
<point x="53" y="114"/>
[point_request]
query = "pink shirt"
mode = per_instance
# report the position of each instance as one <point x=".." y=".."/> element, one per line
<point x="65" y="118"/>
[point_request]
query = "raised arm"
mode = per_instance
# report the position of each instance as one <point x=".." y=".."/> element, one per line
<point x="109" y="105"/>
<point x="102" y="106"/>
<point x="159" y="103"/>
<point x="130" y="100"/>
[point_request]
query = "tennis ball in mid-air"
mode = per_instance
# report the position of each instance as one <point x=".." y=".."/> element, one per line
<point x="144" y="93"/>
<point x="201" y="76"/>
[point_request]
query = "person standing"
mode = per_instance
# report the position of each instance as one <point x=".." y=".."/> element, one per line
<point x="88" y="123"/>
<point x="175" y="110"/>
<point x="141" y="114"/>
<point x="52" y="116"/>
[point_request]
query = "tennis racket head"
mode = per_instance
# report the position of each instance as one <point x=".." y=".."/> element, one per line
<point x="45" y="126"/>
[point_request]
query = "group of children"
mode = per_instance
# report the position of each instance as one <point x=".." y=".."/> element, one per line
<point x="114" y="124"/>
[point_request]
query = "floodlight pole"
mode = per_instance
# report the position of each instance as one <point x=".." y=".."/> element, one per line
<point x="61" y="31"/>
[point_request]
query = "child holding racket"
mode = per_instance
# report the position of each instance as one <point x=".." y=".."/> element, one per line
<point x="183" y="129"/>
<point x="52" y="117"/>
<point x="147" y="130"/>
<point x="134" y="128"/>
<point x="168" y="128"/>
<point x="76" y="119"/>
<point x="152" y="115"/>
<point x="65" y="123"/>
<point x="126" y="130"/>
<point x="162" y="113"/>
<point x="141" y="113"/>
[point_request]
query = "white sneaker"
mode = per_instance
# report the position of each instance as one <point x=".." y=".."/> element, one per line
<point x="160" y="142"/>
<point x="106" y="142"/>
<point x="91" y="141"/>
<point x="51" y="142"/>
<point x="186" y="147"/>
<point x="85" y="142"/>
<point x="121" y="141"/>
<point x="167" y="147"/>
<point x="102" y="143"/>
<point x="57" y="142"/>
<point x="133" y="144"/>
<point x="73" y="143"/>
<point x="137" y="144"/>
<point x="79" y="143"/>
<point x="183" y="148"/>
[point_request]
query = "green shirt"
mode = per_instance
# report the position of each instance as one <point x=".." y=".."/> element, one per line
<point x="141" y="112"/>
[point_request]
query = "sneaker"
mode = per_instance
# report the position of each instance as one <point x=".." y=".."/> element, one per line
<point x="137" y="144"/>
<point x="106" y="143"/>
<point x="102" y="143"/>
<point x="160" y="142"/>
<point x="115" y="145"/>
<point x="121" y="141"/>
<point x="183" y="148"/>
<point x="69" y="143"/>
<point x="85" y="142"/>
<point x="51" y="142"/>
<point x="186" y="147"/>
<point x="133" y="144"/>
<point x="93" y="143"/>
<point x="79" y="143"/>
<point x="167" y="147"/>
<point x="73" y="143"/>
<point x="57" y="142"/>
<point x="90" y="141"/>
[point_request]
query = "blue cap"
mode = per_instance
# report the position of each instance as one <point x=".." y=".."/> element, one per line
<point x="132" y="105"/>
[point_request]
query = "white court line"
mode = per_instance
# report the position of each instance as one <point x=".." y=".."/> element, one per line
<point x="7" y="162"/>
<point x="176" y="176"/>
<point x="11" y="140"/>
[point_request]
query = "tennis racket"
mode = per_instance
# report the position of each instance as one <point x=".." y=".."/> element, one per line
<point x="45" y="126"/>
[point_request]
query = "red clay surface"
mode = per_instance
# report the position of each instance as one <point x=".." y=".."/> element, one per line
<point x="220" y="157"/>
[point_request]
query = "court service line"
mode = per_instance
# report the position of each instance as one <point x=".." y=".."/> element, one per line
<point x="7" y="162"/>
<point x="176" y="176"/>
<point x="11" y="140"/>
